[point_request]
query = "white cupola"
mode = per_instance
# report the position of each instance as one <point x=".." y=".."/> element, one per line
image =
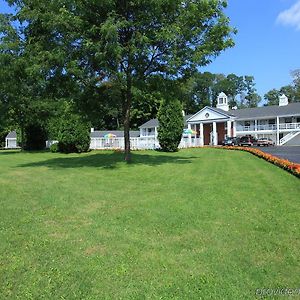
<point x="283" y="100"/>
<point x="222" y="102"/>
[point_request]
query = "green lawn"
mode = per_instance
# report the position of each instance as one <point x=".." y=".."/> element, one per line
<point x="197" y="224"/>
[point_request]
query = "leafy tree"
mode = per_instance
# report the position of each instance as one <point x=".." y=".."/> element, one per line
<point x="289" y="91"/>
<point x="252" y="98"/>
<point x="235" y="86"/>
<point x="23" y="100"/>
<point x="296" y="85"/>
<point x="35" y="136"/>
<point x="272" y="97"/>
<point x="199" y="91"/>
<point x="170" y="125"/>
<point x="88" y="42"/>
<point x="292" y="91"/>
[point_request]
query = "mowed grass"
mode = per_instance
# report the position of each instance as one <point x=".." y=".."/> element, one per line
<point x="197" y="224"/>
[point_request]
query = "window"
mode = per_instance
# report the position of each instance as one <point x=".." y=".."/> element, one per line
<point x="288" y="120"/>
<point x="298" y="119"/>
<point x="271" y="121"/>
<point x="221" y="100"/>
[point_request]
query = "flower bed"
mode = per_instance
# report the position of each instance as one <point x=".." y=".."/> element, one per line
<point x="282" y="163"/>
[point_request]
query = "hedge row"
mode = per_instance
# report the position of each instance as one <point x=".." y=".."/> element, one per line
<point x="282" y="163"/>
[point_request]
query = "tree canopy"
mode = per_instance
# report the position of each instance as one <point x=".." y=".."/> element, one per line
<point x="292" y="90"/>
<point x="76" y="47"/>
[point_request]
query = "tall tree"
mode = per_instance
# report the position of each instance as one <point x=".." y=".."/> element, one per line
<point x="125" y="41"/>
<point x="296" y="84"/>
<point x="170" y="124"/>
<point x="252" y="98"/>
<point x="235" y="87"/>
<point x="272" y="97"/>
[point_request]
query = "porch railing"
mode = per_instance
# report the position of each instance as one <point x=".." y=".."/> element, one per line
<point x="138" y="143"/>
<point x="282" y="126"/>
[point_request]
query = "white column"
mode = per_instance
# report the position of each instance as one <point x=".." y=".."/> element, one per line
<point x="215" y="134"/>
<point x="190" y="136"/>
<point x="234" y="128"/>
<point x="277" y="130"/>
<point x="228" y="128"/>
<point x="201" y="135"/>
<point x="255" y="128"/>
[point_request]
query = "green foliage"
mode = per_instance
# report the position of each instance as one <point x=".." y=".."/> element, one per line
<point x="202" y="89"/>
<point x="54" y="148"/>
<point x="272" y="97"/>
<point x="73" y="134"/>
<point x="170" y="125"/>
<point x="292" y="91"/>
<point x="35" y="137"/>
<point x="77" y="46"/>
<point x="251" y="98"/>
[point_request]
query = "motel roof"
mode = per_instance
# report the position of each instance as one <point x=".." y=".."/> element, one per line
<point x="154" y="122"/>
<point x="264" y="112"/>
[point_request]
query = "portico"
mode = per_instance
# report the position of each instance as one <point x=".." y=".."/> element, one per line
<point x="213" y="128"/>
<point x="212" y="125"/>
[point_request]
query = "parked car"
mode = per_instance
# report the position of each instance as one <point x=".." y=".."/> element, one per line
<point x="230" y="141"/>
<point x="265" y="142"/>
<point x="247" y="140"/>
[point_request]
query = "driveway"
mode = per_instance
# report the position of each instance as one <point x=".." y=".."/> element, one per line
<point x="292" y="153"/>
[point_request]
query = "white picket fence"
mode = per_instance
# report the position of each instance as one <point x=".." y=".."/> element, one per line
<point x="137" y="143"/>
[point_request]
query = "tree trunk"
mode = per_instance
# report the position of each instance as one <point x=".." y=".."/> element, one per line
<point x="126" y="133"/>
<point x="22" y="129"/>
<point x="127" y="98"/>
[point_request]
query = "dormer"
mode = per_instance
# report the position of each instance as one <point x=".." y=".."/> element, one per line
<point x="283" y="100"/>
<point x="222" y="102"/>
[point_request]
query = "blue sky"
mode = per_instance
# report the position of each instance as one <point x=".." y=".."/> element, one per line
<point x="267" y="42"/>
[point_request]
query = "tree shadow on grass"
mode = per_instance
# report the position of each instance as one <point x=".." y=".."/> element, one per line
<point x="19" y="151"/>
<point x="109" y="160"/>
<point x="9" y="152"/>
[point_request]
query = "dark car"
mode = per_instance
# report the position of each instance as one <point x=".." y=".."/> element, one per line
<point x="265" y="142"/>
<point x="247" y="140"/>
<point x="230" y="141"/>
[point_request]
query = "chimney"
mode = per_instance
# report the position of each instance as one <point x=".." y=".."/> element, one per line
<point x="183" y="113"/>
<point x="92" y="129"/>
<point x="222" y="102"/>
<point x="283" y="100"/>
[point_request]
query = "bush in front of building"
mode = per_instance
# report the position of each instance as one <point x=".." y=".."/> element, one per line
<point x="54" y="148"/>
<point x="171" y="124"/>
<point x="73" y="134"/>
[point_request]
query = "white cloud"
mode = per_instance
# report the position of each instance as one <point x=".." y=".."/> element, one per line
<point x="291" y="16"/>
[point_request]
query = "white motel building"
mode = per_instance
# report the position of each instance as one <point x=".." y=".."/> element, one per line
<point x="211" y="125"/>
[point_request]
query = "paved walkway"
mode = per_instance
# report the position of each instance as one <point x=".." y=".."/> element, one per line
<point x="292" y="153"/>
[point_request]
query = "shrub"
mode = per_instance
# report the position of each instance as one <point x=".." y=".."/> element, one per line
<point x="73" y="134"/>
<point x="54" y="148"/>
<point x="35" y="137"/>
<point x="170" y="125"/>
